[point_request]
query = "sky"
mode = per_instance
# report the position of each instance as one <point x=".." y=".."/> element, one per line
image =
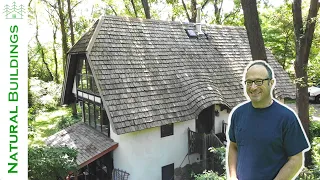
<point x="85" y="8"/>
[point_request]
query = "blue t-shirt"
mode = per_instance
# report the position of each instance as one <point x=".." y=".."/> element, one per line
<point x="265" y="139"/>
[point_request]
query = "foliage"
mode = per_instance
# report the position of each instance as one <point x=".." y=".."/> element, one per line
<point x="44" y="95"/>
<point x="221" y="154"/>
<point x="209" y="175"/>
<point x="316" y="155"/>
<point x="50" y="163"/>
<point x="278" y="33"/>
<point x="67" y="121"/>
<point x="314" y="129"/>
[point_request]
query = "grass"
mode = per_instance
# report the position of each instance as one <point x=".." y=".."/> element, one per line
<point x="289" y="101"/>
<point x="46" y="124"/>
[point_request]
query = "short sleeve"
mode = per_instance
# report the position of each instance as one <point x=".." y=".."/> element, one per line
<point x="294" y="139"/>
<point x="231" y="129"/>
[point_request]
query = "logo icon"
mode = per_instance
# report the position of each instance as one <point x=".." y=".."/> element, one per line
<point x="14" y="11"/>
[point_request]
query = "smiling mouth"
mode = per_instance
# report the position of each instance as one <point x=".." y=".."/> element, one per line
<point x="255" y="94"/>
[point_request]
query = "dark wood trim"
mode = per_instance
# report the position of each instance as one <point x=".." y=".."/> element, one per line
<point x="99" y="155"/>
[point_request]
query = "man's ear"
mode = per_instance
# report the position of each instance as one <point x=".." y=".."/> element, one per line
<point x="271" y="82"/>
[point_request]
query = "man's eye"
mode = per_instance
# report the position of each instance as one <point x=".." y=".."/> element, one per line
<point x="258" y="81"/>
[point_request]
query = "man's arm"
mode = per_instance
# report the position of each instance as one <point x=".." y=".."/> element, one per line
<point x="232" y="160"/>
<point x="290" y="169"/>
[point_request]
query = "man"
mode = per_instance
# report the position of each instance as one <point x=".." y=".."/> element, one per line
<point x="266" y="140"/>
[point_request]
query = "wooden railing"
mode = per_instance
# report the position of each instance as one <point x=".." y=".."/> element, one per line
<point x="198" y="142"/>
<point x="194" y="142"/>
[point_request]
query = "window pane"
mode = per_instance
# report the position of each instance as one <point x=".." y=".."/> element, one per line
<point x="86" y="112"/>
<point x="83" y="71"/>
<point x="98" y="118"/>
<point x="92" y="120"/>
<point x="105" y="123"/>
<point x="79" y="80"/>
<point x="94" y="87"/>
<point x="84" y="82"/>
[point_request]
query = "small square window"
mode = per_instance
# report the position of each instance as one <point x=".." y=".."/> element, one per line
<point x="168" y="172"/>
<point x="191" y="33"/>
<point x="167" y="130"/>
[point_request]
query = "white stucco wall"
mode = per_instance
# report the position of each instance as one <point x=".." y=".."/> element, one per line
<point x="223" y="116"/>
<point x="144" y="153"/>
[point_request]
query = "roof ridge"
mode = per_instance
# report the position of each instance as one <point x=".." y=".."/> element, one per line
<point x="173" y="22"/>
<point x="94" y="35"/>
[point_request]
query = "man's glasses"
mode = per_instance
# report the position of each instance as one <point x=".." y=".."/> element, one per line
<point x="257" y="82"/>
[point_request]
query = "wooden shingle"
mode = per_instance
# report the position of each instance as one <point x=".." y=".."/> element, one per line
<point x="151" y="73"/>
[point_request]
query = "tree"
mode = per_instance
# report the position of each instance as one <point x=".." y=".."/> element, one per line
<point x="304" y="32"/>
<point x="51" y="163"/>
<point x="146" y="8"/>
<point x="70" y="22"/>
<point x="41" y="52"/>
<point x="278" y="33"/>
<point x="251" y="22"/>
<point x="54" y="34"/>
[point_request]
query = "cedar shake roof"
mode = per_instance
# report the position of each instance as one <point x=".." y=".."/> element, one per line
<point x="89" y="143"/>
<point x="83" y="42"/>
<point x="150" y="73"/>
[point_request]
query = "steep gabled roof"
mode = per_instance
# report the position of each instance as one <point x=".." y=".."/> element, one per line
<point x="82" y="44"/>
<point x="150" y="73"/>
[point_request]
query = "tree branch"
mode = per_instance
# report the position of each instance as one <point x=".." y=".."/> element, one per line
<point x="310" y="26"/>
<point x="76" y="5"/>
<point x="185" y="9"/>
<point x="134" y="8"/>
<point x="204" y="4"/>
<point x="113" y="10"/>
<point x="53" y="6"/>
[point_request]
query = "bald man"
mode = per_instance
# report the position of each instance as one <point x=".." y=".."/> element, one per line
<point x="266" y="141"/>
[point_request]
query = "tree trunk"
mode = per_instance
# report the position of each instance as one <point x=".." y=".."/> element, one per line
<point x="193" y="10"/>
<point x="42" y="54"/>
<point x="251" y="22"/>
<point x="146" y="8"/>
<point x="63" y="34"/>
<point x="304" y="37"/>
<point x="55" y="54"/>
<point x="134" y="8"/>
<point x="217" y="11"/>
<point x="70" y="23"/>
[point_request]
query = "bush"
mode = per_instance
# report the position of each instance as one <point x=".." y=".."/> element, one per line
<point x="209" y="175"/>
<point x="314" y="129"/>
<point x="67" y="121"/>
<point x="43" y="95"/>
<point x="51" y="163"/>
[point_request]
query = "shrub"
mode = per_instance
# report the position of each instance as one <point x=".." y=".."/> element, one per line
<point x="67" y="121"/>
<point x="314" y="129"/>
<point x="209" y="175"/>
<point x="43" y="94"/>
<point x="50" y="163"/>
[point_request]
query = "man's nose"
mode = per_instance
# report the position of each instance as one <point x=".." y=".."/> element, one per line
<point x="253" y="85"/>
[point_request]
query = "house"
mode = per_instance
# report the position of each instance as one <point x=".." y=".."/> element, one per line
<point x="146" y="87"/>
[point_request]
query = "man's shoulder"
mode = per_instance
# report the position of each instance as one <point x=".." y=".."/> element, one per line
<point x="241" y="107"/>
<point x="285" y="111"/>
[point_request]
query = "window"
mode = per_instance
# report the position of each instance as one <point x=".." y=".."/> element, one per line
<point x="85" y="78"/>
<point x="86" y="112"/>
<point x="166" y="130"/>
<point x="94" y="116"/>
<point x="191" y="33"/>
<point x="168" y="172"/>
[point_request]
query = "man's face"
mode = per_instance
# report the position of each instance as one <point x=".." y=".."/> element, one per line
<point x="258" y="94"/>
